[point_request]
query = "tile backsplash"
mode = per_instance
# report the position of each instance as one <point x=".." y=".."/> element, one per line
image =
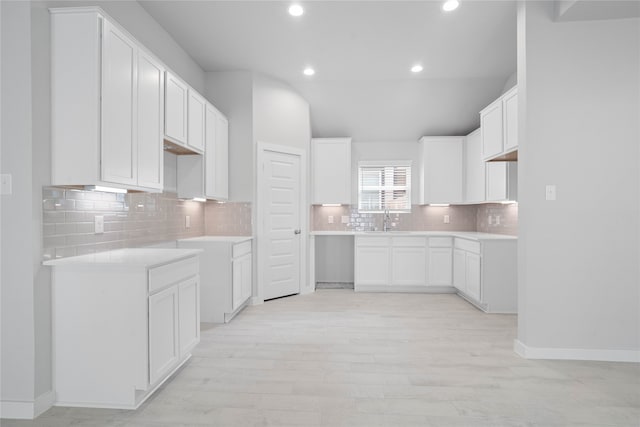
<point x="130" y="220"/>
<point x="504" y="218"/>
<point x="228" y="219"/>
<point x="421" y="218"/>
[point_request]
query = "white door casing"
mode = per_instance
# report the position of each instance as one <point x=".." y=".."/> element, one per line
<point x="281" y="228"/>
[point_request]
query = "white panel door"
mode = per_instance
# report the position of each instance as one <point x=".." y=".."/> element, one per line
<point x="408" y="266"/>
<point x="440" y="266"/>
<point x="150" y="122"/>
<point x="163" y="333"/>
<point x="281" y="190"/>
<point x="118" y="147"/>
<point x="189" y="315"/>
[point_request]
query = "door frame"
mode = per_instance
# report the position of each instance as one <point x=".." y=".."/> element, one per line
<point x="262" y="148"/>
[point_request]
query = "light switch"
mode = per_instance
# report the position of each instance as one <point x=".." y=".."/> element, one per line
<point x="345" y="219"/>
<point x="551" y="192"/>
<point x="330" y="219"/>
<point x="446" y="219"/>
<point x="497" y="219"/>
<point x="490" y="220"/>
<point x="187" y="221"/>
<point x="98" y="222"/>
<point x="5" y="184"/>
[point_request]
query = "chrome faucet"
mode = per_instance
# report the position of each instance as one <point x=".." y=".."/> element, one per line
<point x="386" y="221"/>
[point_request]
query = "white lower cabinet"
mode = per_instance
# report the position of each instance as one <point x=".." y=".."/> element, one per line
<point x="440" y="261"/>
<point x="122" y="322"/>
<point x="372" y="264"/>
<point x="226" y="275"/>
<point x="408" y="266"/>
<point x="485" y="273"/>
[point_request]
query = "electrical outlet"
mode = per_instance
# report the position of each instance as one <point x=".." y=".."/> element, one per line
<point x="187" y="221"/>
<point x="490" y="220"/>
<point x="446" y="219"/>
<point x="98" y="222"/>
<point x="345" y="219"/>
<point x="497" y="219"/>
<point x="330" y="219"/>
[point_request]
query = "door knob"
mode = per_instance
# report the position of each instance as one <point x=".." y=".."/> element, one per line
<point x="296" y="231"/>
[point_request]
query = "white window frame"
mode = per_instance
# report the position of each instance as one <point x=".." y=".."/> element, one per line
<point x="385" y="163"/>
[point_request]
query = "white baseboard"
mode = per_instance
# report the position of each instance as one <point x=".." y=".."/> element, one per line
<point x="602" y="355"/>
<point x="27" y="410"/>
<point x="256" y="301"/>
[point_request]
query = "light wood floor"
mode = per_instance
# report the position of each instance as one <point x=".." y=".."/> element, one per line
<point x="338" y="358"/>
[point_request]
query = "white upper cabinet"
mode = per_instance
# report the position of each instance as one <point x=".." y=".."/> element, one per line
<point x="216" y="154"/>
<point x="105" y="103"/>
<point x="331" y="168"/>
<point x="499" y="127"/>
<point x="502" y="181"/>
<point x="206" y="176"/>
<point x="196" y="112"/>
<point x="176" y="100"/>
<point x="150" y="121"/>
<point x="475" y="169"/>
<point x="441" y="174"/>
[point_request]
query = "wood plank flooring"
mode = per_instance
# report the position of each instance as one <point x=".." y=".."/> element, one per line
<point x="337" y="358"/>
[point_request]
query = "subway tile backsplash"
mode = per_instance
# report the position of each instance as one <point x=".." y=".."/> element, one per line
<point x="421" y="218"/>
<point x="130" y="220"/>
<point x="228" y="219"/>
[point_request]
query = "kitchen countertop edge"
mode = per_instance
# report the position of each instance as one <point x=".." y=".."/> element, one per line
<point x="472" y="235"/>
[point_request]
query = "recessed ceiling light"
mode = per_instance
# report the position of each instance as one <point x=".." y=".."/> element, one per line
<point x="450" y="5"/>
<point x="296" y="10"/>
<point x="309" y="71"/>
<point x="416" y="68"/>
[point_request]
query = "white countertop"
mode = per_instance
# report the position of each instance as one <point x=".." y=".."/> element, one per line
<point x="131" y="257"/>
<point x="473" y="235"/>
<point x="230" y="239"/>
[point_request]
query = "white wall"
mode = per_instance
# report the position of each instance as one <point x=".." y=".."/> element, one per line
<point x="280" y="114"/>
<point x="385" y="150"/>
<point x="579" y="283"/>
<point x="232" y="93"/>
<point x="17" y="350"/>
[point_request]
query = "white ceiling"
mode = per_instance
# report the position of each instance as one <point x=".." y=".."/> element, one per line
<point x="362" y="52"/>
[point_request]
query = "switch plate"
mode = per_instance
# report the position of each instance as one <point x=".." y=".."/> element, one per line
<point x="5" y="187"/>
<point x="551" y="192"/>
<point x="446" y="219"/>
<point x="187" y="221"/>
<point x="330" y="219"/>
<point x="98" y="222"/>
<point x="497" y="219"/>
<point x="490" y="220"/>
<point x="345" y="219"/>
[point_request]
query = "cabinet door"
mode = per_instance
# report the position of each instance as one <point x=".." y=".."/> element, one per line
<point x="150" y="122"/>
<point x="189" y="315"/>
<point x="236" y="284"/>
<point x="510" y="119"/>
<point x="175" y="110"/>
<point x="372" y="266"/>
<point x="440" y="267"/>
<point x="118" y="146"/>
<point x="441" y="169"/>
<point x="460" y="269"/>
<point x="472" y="275"/>
<point x="163" y="333"/>
<point x="331" y="168"/>
<point x="216" y="154"/>
<point x="408" y="266"/>
<point x="247" y="282"/>
<point x="491" y="129"/>
<point x="195" y="119"/>
<point x="475" y="169"/>
<point x="496" y="181"/>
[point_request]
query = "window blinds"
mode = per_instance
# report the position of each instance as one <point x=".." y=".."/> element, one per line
<point x="383" y="187"/>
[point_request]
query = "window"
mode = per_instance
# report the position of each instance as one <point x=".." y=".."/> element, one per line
<point x="384" y="186"/>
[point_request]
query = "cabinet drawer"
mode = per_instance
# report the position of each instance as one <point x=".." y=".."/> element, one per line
<point x="240" y="249"/>
<point x="372" y="241"/>
<point x="409" y="241"/>
<point x="440" y="242"/>
<point x="467" y="245"/>
<point x="163" y="276"/>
